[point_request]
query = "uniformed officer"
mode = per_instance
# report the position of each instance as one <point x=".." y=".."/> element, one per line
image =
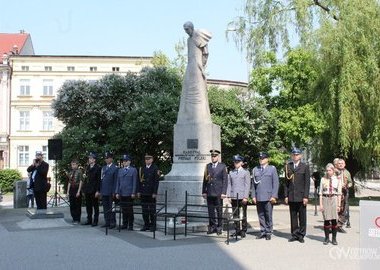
<point x="148" y="185"/>
<point x="107" y="190"/>
<point x="264" y="194"/>
<point x="91" y="189"/>
<point x="126" y="190"/>
<point x="297" y="186"/>
<point x="239" y="184"/>
<point x="214" y="190"/>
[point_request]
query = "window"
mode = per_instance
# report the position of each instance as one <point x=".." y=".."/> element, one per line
<point x="24" y="120"/>
<point x="25" y="68"/>
<point x="115" y="69"/>
<point x="47" y="87"/>
<point x="70" y="68"/>
<point x="25" y="87"/>
<point x="23" y="155"/>
<point x="93" y="69"/>
<point x="45" y="151"/>
<point x="48" y="68"/>
<point x="47" y="120"/>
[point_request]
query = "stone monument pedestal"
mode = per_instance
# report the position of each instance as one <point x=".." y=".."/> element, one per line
<point x="192" y="143"/>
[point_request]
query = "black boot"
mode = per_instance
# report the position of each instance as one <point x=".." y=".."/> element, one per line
<point x="334" y="231"/>
<point x="327" y="234"/>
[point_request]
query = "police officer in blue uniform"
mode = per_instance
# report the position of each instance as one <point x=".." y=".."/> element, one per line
<point x="107" y="190"/>
<point x="126" y="190"/>
<point x="297" y="187"/>
<point x="214" y="190"/>
<point x="239" y="184"/>
<point x="264" y="194"/>
<point x="148" y="185"/>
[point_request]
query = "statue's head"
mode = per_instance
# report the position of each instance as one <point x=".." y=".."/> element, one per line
<point x="189" y="28"/>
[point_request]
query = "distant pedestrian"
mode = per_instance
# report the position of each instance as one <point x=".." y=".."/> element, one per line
<point x="297" y="188"/>
<point x="239" y="185"/>
<point x="344" y="214"/>
<point x="74" y="191"/>
<point x="264" y="194"/>
<point x="214" y="190"/>
<point x="329" y="202"/>
<point x="29" y="192"/>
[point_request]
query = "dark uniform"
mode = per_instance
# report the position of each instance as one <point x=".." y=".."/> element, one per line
<point x="297" y="186"/>
<point x="148" y="186"/>
<point x="214" y="186"/>
<point x="91" y="185"/>
<point x="107" y="189"/>
<point x="39" y="183"/>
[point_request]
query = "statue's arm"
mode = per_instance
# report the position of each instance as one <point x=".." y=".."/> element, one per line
<point x="204" y="55"/>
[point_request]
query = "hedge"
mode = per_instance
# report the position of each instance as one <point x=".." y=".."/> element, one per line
<point x="7" y="179"/>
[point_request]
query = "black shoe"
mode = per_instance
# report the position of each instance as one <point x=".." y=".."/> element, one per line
<point x="94" y="224"/>
<point x="301" y="240"/>
<point x="87" y="223"/>
<point x="143" y="229"/>
<point x="268" y="237"/>
<point x="130" y="229"/>
<point x="341" y="230"/>
<point x="113" y="226"/>
<point x="261" y="236"/>
<point x="124" y="227"/>
<point x="219" y="231"/>
<point x="105" y="226"/>
<point x="242" y="234"/>
<point x="235" y="234"/>
<point x="293" y="239"/>
<point x="152" y="229"/>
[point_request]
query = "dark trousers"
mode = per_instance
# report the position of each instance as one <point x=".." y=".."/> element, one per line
<point x="75" y="207"/>
<point x="297" y="219"/>
<point x="92" y="203"/>
<point x="241" y="207"/>
<point x="40" y="197"/>
<point x="30" y="199"/>
<point x="344" y="214"/>
<point x="109" y="216"/>
<point x="148" y="206"/>
<point x="265" y="213"/>
<point x="214" y="204"/>
<point x="127" y="209"/>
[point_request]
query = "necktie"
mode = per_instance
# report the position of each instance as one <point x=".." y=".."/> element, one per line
<point x="214" y="165"/>
<point x="262" y="168"/>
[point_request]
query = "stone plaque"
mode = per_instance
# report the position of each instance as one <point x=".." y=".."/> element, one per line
<point x="192" y="143"/>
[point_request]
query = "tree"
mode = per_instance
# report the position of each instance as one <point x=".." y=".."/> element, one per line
<point x="243" y="119"/>
<point x="133" y="114"/>
<point x="344" y="39"/>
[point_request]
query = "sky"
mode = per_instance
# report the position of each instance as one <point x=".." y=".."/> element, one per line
<point x="127" y="28"/>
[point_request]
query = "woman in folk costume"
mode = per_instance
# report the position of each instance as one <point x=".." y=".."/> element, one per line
<point x="330" y="192"/>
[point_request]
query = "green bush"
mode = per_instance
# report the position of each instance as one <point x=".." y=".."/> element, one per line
<point x="7" y="178"/>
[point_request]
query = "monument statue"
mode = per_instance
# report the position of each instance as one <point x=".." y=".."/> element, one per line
<point x="194" y="102"/>
<point x="194" y="132"/>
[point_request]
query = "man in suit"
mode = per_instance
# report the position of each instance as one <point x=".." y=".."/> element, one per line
<point x="239" y="184"/>
<point x="214" y="190"/>
<point x="264" y="194"/>
<point x="297" y="186"/>
<point x="39" y="170"/>
<point x="91" y="189"/>
<point x="107" y="189"/>
<point x="126" y="190"/>
<point x="148" y="185"/>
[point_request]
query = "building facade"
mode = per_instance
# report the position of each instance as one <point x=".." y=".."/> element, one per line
<point x="33" y="84"/>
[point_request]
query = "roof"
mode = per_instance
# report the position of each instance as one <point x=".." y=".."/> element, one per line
<point x="8" y="41"/>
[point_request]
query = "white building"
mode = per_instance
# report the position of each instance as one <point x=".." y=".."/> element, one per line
<point x="34" y="82"/>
